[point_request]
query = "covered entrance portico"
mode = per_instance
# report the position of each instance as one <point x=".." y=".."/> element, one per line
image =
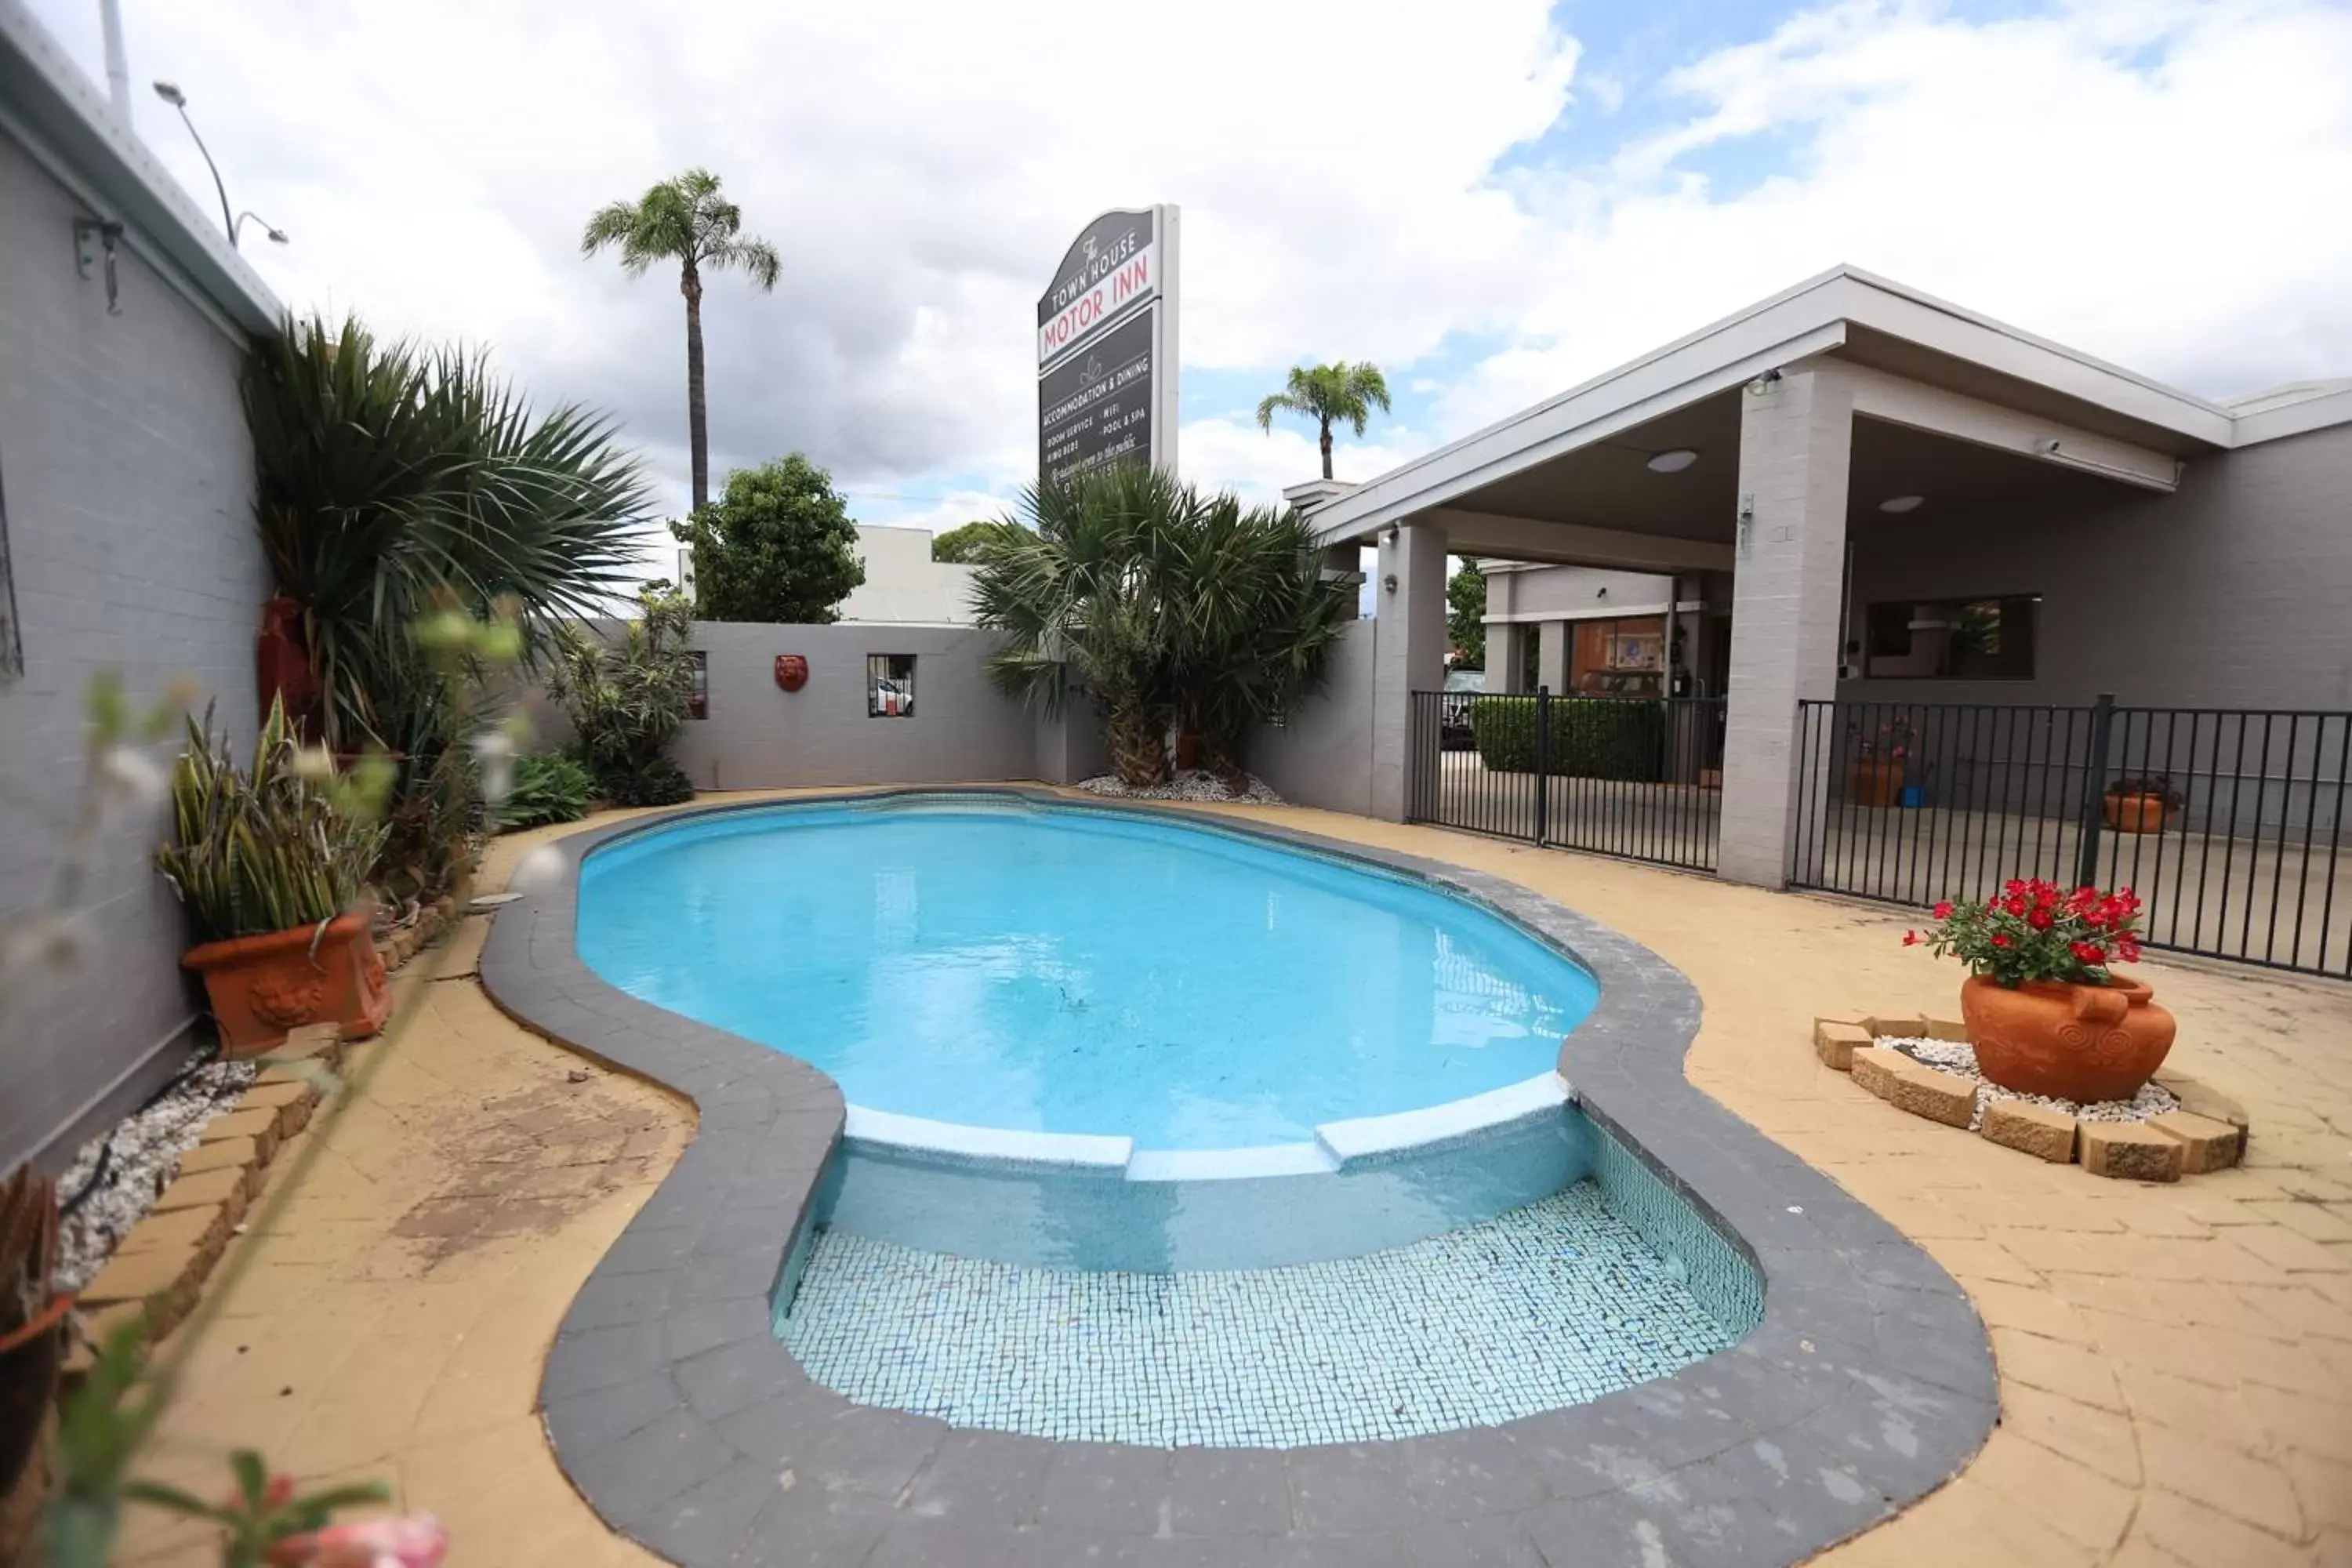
<point x="1803" y="418"/>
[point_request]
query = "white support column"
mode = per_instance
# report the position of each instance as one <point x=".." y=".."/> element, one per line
<point x="1408" y="652"/>
<point x="1796" y="438"/>
<point x="1551" y="656"/>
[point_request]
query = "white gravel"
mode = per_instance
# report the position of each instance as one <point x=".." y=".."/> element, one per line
<point x="1195" y="784"/>
<point x="147" y="1146"/>
<point x="1960" y="1057"/>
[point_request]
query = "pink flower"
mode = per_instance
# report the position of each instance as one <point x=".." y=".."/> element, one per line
<point x="1943" y="910"/>
<point x="2038" y="918"/>
<point x="2090" y="952"/>
<point x="1910" y="939"/>
<point x="418" y="1542"/>
<point x="1999" y="939"/>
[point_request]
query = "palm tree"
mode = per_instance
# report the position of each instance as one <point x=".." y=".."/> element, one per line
<point x="1329" y="394"/>
<point x="684" y="220"/>
<point x="1172" y="608"/>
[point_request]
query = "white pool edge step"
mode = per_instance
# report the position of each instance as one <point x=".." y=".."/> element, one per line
<point x="1337" y="1146"/>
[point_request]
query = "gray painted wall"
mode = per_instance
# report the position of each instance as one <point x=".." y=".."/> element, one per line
<point x="1323" y="755"/>
<point x="2230" y="593"/>
<point x="128" y="484"/>
<point x="758" y="736"/>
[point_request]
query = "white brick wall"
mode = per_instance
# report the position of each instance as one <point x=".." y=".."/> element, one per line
<point x="128" y="482"/>
<point x="1795" y="441"/>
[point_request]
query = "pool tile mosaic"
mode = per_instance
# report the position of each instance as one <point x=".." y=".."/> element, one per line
<point x="1546" y="1306"/>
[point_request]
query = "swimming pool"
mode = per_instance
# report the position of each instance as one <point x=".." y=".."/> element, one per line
<point x="1073" y="972"/>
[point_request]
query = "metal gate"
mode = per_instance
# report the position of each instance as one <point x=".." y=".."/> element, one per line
<point x="2228" y="823"/>
<point x="1636" y="777"/>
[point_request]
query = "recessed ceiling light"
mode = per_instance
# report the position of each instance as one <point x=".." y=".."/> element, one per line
<point x="1672" y="460"/>
<point x="1901" y="503"/>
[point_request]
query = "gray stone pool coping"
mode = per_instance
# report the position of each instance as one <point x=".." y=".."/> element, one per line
<point x="687" y="1426"/>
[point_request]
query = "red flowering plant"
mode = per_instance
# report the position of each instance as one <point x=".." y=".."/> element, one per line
<point x="2037" y="931"/>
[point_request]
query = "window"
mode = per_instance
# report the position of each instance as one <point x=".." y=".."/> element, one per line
<point x="889" y="686"/>
<point x="697" y="692"/>
<point x="1952" y="640"/>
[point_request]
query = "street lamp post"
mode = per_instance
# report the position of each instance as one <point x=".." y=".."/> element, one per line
<point x="169" y="93"/>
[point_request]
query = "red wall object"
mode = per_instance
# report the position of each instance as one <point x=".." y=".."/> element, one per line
<point x="791" y="671"/>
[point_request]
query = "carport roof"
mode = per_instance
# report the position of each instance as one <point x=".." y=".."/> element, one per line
<point x="1860" y="318"/>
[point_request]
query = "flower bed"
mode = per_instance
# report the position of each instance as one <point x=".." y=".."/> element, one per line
<point x="2176" y="1126"/>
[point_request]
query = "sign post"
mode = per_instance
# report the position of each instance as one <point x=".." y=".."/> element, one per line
<point x="1106" y="348"/>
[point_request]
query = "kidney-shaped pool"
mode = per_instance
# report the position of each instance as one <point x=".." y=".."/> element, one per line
<point x="1006" y="964"/>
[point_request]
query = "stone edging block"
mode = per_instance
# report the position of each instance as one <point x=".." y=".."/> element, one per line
<point x="159" y="1268"/>
<point x="2130" y="1152"/>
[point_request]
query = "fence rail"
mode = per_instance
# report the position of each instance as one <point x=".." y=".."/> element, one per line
<point x="1634" y="778"/>
<point x="2228" y="823"/>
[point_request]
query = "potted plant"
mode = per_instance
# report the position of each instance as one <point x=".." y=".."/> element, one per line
<point x="273" y="874"/>
<point x="2043" y="1010"/>
<point x="2141" y="803"/>
<point x="32" y="1340"/>
<point x="1876" y="776"/>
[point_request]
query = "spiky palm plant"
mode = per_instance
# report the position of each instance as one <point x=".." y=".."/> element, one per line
<point x="391" y="479"/>
<point x="1165" y="605"/>
<point x="1340" y="394"/>
<point x="684" y="220"/>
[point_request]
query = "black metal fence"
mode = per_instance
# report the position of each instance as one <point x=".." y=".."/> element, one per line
<point x="1637" y="777"/>
<point x="2228" y="823"/>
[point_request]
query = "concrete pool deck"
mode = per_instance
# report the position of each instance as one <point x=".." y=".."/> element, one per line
<point x="2175" y="1362"/>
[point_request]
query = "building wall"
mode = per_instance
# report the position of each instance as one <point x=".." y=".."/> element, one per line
<point x="2229" y="593"/>
<point x="904" y="583"/>
<point x="1323" y="755"/>
<point x="759" y="736"/>
<point x="1546" y="593"/>
<point x="127" y="481"/>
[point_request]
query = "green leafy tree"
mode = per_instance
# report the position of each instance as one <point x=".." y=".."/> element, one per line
<point x="1466" y="615"/>
<point x="1340" y="394"/>
<point x="684" y="220"/>
<point x="777" y="545"/>
<point x="961" y="546"/>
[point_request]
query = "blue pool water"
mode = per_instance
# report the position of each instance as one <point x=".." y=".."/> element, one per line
<point x="1036" y="968"/>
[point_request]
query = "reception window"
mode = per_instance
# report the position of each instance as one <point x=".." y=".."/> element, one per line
<point x="1953" y="639"/>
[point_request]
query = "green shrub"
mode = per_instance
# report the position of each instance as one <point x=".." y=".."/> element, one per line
<point x="549" y="786"/>
<point x="629" y="699"/>
<point x="1592" y="738"/>
<point x="264" y="850"/>
<point x="649" y="781"/>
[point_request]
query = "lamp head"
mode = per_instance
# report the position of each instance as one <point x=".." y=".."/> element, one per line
<point x="169" y="91"/>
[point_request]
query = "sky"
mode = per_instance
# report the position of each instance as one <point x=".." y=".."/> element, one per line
<point x="1491" y="199"/>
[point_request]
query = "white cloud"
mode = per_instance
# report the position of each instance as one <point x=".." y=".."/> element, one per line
<point x="2157" y="182"/>
<point x="2141" y="182"/>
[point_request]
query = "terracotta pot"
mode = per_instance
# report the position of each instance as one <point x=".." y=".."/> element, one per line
<point x="262" y="986"/>
<point x="2083" y="1043"/>
<point x="29" y="1358"/>
<point x="2133" y="813"/>
<point x="1874" y="782"/>
<point x="1188" y="750"/>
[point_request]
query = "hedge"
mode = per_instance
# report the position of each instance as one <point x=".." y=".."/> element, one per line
<point x="1592" y="738"/>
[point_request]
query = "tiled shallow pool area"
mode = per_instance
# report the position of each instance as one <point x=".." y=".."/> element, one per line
<point x="1545" y="1306"/>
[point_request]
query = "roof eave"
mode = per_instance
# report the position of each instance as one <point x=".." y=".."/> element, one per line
<point x="48" y="100"/>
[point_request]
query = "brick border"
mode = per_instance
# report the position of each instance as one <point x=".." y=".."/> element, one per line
<point x="687" y="1426"/>
<point x="2208" y="1132"/>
